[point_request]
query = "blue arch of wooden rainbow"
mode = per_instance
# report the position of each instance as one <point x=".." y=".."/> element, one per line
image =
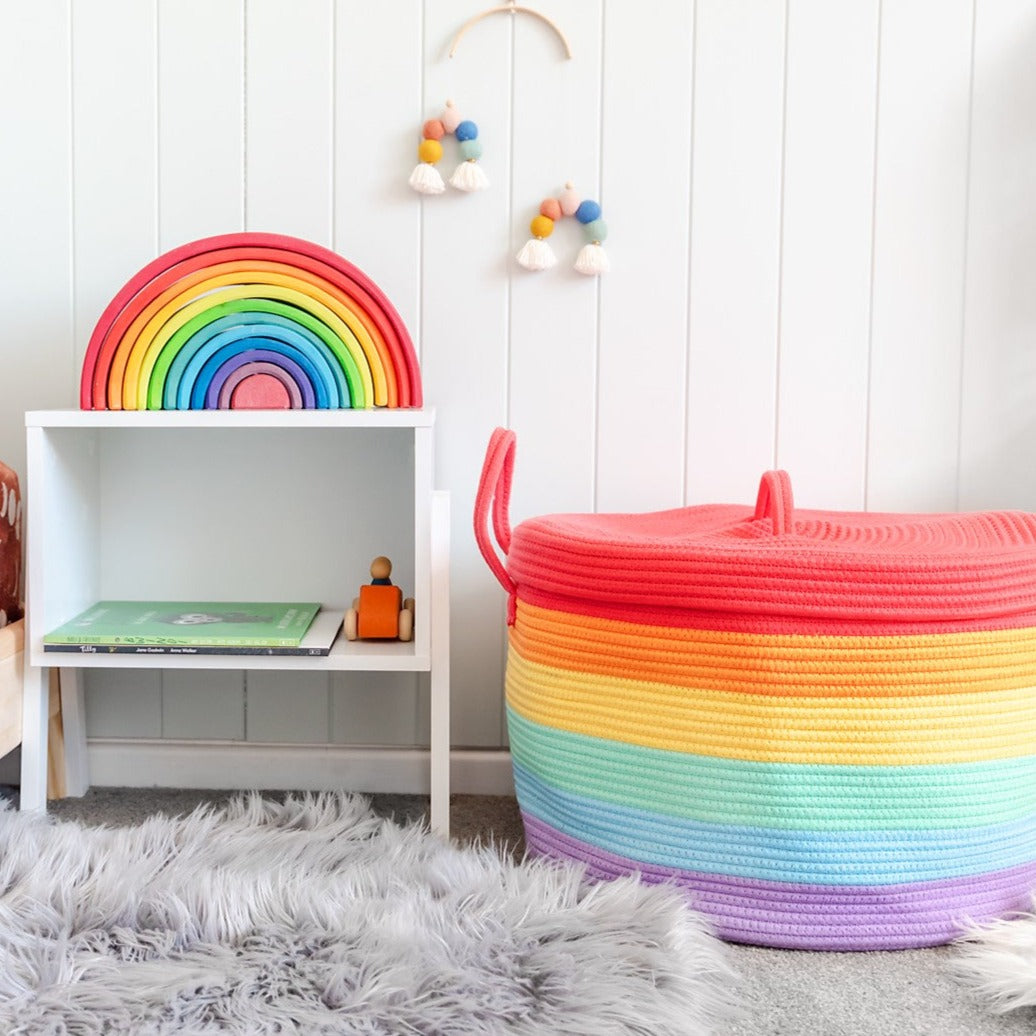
<point x="216" y="330"/>
<point x="305" y="308"/>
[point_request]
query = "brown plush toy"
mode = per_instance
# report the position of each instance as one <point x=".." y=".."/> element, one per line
<point x="10" y="546"/>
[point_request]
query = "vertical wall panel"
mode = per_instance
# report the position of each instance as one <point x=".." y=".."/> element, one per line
<point x="466" y="240"/>
<point x="200" y="193"/>
<point x="123" y="702"/>
<point x="553" y="336"/>
<point x="200" y="119"/>
<point x="826" y="259"/>
<point x="114" y="147"/>
<point x="646" y="146"/>
<point x="115" y="234"/>
<point x="553" y="342"/>
<point x="377" y="221"/>
<point x="735" y="247"/>
<point x="288" y="104"/>
<point x="38" y="366"/>
<point x="203" y="704"/>
<point x="377" y="126"/>
<point x="288" y="707"/>
<point x="998" y="427"/>
<point x="920" y="213"/>
<point x="377" y="709"/>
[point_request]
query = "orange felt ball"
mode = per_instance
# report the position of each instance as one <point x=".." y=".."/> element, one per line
<point x="542" y="226"/>
<point x="551" y="208"/>
<point x="433" y="129"/>
<point x="429" y="151"/>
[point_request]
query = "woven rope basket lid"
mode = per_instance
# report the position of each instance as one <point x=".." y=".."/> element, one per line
<point x="821" y="724"/>
<point x="773" y="562"/>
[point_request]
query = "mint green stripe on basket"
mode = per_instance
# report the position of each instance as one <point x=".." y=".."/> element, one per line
<point x="789" y="796"/>
<point x="768" y="854"/>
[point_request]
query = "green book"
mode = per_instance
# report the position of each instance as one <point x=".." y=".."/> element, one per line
<point x="188" y="623"/>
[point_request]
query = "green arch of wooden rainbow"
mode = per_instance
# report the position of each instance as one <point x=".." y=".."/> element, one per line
<point x="264" y="314"/>
<point x="252" y="277"/>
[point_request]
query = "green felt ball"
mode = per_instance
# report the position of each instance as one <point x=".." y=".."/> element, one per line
<point x="595" y="230"/>
<point x="471" y="149"/>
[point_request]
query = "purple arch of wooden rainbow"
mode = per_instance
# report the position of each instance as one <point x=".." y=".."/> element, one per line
<point x="124" y="361"/>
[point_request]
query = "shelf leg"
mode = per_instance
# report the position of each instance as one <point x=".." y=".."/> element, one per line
<point x="439" y="616"/>
<point x="73" y="720"/>
<point x="35" y="720"/>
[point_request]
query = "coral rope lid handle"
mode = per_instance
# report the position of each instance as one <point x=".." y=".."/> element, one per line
<point x="494" y="494"/>
<point x="775" y="501"/>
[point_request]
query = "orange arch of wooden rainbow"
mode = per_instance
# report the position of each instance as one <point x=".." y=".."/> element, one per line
<point x="121" y="365"/>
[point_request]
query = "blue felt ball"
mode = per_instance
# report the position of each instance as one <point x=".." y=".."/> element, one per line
<point x="588" y="211"/>
<point x="470" y="149"/>
<point x="466" y="130"/>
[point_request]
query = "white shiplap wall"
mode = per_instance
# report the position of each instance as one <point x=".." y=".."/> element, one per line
<point x="823" y="237"/>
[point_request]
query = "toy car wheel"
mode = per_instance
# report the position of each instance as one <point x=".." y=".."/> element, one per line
<point x="349" y="624"/>
<point x="406" y="624"/>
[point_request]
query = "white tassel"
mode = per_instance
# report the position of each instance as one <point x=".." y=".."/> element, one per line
<point x="592" y="260"/>
<point x="536" y="254"/>
<point x="425" y="179"/>
<point x="469" y="176"/>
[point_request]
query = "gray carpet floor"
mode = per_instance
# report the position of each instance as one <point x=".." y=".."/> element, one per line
<point x="785" y="992"/>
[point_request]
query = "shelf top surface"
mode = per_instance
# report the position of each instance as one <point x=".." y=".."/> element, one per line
<point x="382" y="417"/>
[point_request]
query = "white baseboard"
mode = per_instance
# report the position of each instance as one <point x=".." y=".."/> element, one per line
<point x="116" y="762"/>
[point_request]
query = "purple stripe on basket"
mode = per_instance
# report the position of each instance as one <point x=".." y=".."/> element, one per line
<point x="814" y="917"/>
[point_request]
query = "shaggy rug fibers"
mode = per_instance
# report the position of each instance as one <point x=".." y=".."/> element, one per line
<point x="998" y="961"/>
<point x="315" y="916"/>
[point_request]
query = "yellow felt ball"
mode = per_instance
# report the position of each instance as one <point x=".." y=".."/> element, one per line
<point x="542" y="226"/>
<point x="429" y="151"/>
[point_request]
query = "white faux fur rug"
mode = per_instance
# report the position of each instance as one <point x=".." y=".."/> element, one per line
<point x="317" y="917"/>
<point x="998" y="961"/>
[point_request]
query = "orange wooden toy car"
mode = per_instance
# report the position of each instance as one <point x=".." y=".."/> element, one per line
<point x="380" y="612"/>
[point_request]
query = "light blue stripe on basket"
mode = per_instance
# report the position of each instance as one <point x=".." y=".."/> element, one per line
<point x="827" y="857"/>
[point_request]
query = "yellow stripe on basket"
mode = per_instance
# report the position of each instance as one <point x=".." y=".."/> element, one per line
<point x="779" y="664"/>
<point x="876" y="731"/>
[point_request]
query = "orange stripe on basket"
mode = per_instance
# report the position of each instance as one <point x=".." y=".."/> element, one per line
<point x="779" y="664"/>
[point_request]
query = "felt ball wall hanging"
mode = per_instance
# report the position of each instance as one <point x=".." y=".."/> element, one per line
<point x="469" y="175"/>
<point x="536" y="253"/>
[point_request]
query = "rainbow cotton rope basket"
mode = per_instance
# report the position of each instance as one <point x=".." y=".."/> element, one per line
<point x="821" y="724"/>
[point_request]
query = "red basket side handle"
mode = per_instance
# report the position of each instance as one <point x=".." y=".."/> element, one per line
<point x="494" y="496"/>
<point x="775" y="501"/>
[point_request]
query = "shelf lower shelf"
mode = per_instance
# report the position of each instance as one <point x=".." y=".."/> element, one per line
<point x="345" y="655"/>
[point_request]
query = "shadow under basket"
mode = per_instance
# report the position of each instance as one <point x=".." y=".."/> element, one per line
<point x="821" y="725"/>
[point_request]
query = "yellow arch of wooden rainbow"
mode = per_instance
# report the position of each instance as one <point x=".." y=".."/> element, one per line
<point x="142" y="355"/>
<point x="137" y="352"/>
<point x="232" y="292"/>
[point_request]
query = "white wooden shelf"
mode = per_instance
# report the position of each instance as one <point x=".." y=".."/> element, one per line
<point x="230" y="505"/>
<point x="345" y="656"/>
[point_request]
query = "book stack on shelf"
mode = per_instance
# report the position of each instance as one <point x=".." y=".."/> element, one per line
<point x="199" y="628"/>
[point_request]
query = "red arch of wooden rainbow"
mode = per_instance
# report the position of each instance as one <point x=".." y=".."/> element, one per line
<point x="370" y="305"/>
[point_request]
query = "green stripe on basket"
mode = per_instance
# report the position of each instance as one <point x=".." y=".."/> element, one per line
<point x="789" y="796"/>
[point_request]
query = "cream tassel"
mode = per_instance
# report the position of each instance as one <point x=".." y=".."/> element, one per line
<point x="536" y="254"/>
<point x="425" y="179"/>
<point x="592" y="260"/>
<point x="469" y="176"/>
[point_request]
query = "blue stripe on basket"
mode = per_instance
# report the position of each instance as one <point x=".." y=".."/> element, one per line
<point x="828" y="857"/>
